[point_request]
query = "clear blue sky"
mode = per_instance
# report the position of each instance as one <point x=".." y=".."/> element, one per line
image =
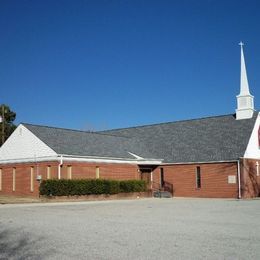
<point x="109" y="64"/>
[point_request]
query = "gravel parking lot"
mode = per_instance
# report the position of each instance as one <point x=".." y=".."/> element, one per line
<point x="132" y="229"/>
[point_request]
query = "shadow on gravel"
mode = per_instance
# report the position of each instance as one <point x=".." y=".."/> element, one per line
<point x="13" y="247"/>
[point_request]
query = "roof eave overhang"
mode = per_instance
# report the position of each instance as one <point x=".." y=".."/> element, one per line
<point x="67" y="157"/>
<point x="201" y="162"/>
<point x="76" y="158"/>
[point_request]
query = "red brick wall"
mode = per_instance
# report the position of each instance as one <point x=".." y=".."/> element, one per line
<point x="214" y="180"/>
<point x="106" y="171"/>
<point x="119" y="172"/>
<point x="79" y="171"/>
<point x="250" y="182"/>
<point x="23" y="178"/>
<point x="6" y="181"/>
<point x="214" y="177"/>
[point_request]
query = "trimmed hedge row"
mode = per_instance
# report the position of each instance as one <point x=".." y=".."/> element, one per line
<point x="89" y="186"/>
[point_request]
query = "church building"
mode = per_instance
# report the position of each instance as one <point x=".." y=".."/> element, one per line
<point x="212" y="157"/>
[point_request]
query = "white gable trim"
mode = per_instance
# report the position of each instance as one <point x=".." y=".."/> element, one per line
<point x="252" y="150"/>
<point x="23" y="144"/>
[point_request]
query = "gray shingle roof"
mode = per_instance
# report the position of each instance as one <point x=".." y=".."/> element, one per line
<point x="82" y="143"/>
<point x="218" y="138"/>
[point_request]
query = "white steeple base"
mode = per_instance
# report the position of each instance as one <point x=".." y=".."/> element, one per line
<point x="245" y="107"/>
<point x="244" y="114"/>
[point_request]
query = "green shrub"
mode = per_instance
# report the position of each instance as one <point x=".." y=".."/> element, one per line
<point x="89" y="186"/>
<point x="132" y="186"/>
<point x="113" y="187"/>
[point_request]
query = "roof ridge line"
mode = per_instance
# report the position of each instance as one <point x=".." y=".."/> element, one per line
<point x="170" y="122"/>
<point x="62" y="128"/>
<point x="76" y="130"/>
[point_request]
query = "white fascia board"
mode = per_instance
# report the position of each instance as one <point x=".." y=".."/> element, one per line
<point x="31" y="160"/>
<point x="102" y="160"/>
<point x="179" y="163"/>
<point x="253" y="149"/>
<point x="66" y="158"/>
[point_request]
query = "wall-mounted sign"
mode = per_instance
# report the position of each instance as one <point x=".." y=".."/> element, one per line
<point x="232" y="179"/>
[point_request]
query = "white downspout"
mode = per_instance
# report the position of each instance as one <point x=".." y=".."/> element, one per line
<point x="59" y="167"/>
<point x="239" y="179"/>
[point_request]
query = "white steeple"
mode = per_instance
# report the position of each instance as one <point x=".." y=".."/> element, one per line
<point x="245" y="101"/>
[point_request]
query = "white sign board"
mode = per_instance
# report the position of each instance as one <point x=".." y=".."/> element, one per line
<point x="232" y="179"/>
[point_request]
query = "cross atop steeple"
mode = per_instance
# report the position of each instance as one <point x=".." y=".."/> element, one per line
<point x="245" y="101"/>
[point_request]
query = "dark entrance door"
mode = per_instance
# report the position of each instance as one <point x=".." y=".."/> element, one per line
<point x="146" y="176"/>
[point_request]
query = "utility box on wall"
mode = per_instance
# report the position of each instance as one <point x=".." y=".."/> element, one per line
<point x="232" y="179"/>
<point x="38" y="177"/>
